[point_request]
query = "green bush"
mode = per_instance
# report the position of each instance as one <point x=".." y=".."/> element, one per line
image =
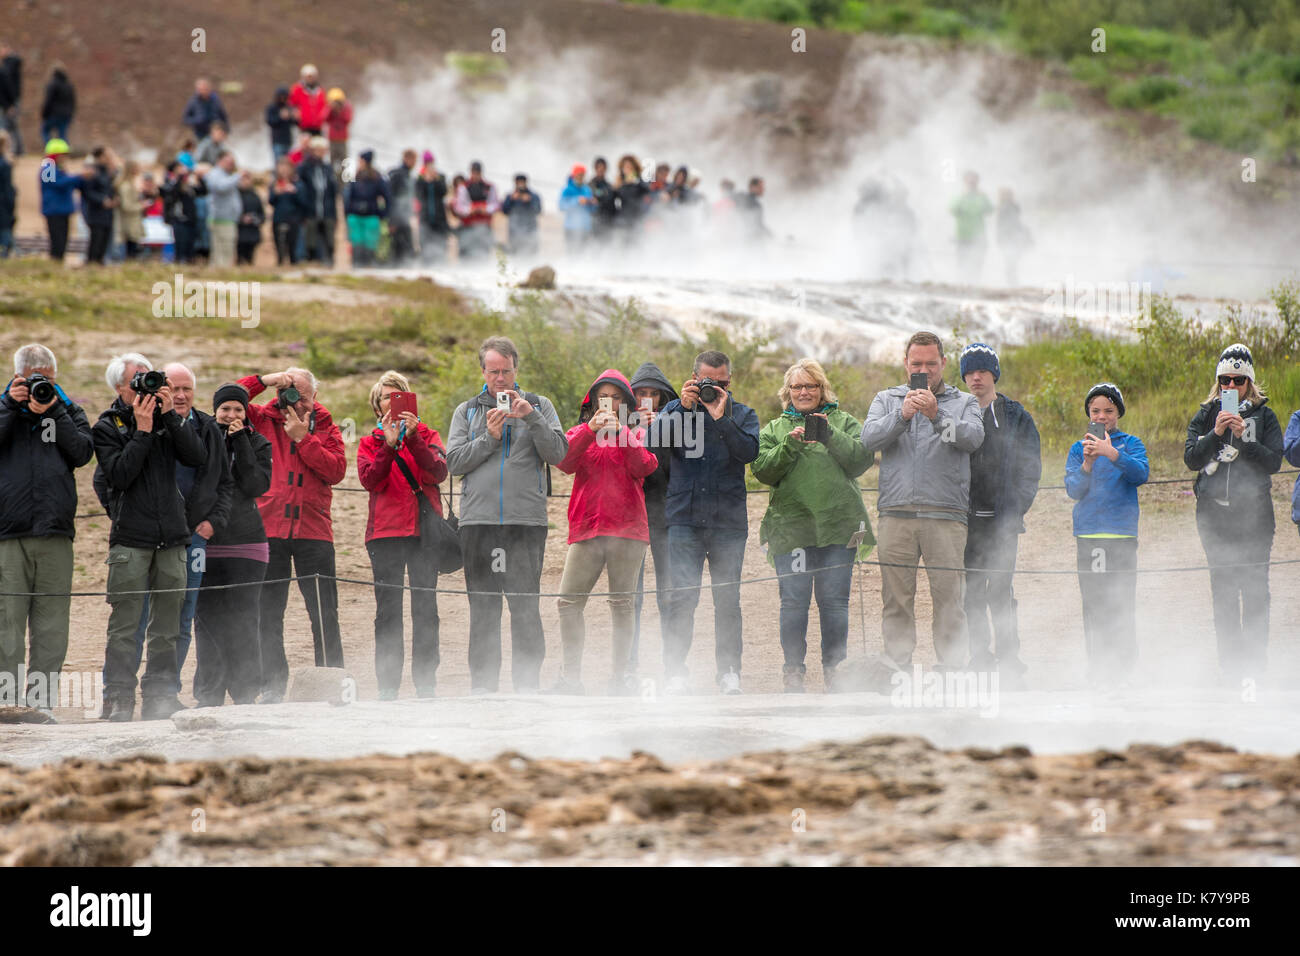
<point x="1145" y="92"/>
<point x="782" y="11"/>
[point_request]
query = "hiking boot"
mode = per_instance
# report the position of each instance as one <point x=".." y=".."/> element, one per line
<point x="729" y="683"/>
<point x="792" y="680"/>
<point x="160" y="708"/>
<point x="119" y="709"/>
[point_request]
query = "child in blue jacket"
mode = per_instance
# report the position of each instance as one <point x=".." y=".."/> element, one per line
<point x="1102" y="476"/>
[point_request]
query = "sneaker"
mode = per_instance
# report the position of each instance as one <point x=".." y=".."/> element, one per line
<point x="791" y="680"/>
<point x="676" y="687"/>
<point x="729" y="682"/>
<point x="160" y="708"/>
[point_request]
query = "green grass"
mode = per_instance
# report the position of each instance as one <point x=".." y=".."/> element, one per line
<point x="1228" y="72"/>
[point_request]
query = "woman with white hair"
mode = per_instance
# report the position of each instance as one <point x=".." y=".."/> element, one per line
<point x="1234" y="444"/>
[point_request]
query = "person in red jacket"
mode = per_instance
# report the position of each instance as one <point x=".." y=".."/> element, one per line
<point x="393" y="535"/>
<point x="338" y="117"/>
<point x="607" y="522"/>
<point x="308" y="98"/>
<point x="307" y="458"/>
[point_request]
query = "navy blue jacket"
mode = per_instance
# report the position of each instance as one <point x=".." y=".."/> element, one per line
<point x="1020" y="466"/>
<point x="1247" y="482"/>
<point x="362" y="197"/>
<point x="706" y="486"/>
<point x="307" y="192"/>
<point x="287" y="207"/>
<point x="1291" y="449"/>
<point x="200" y="114"/>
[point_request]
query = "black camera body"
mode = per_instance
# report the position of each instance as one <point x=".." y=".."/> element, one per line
<point x="148" y="382"/>
<point x="709" y="390"/>
<point x="40" y="389"/>
<point x="286" y="397"/>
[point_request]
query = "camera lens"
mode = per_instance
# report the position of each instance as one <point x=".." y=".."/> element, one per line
<point x="40" y="390"/>
<point x="290" y="395"/>
<point x="708" y="394"/>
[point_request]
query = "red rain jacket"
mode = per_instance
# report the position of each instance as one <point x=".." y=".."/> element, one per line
<point x="394" y="510"/>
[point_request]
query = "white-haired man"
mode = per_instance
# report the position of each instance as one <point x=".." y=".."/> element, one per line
<point x="139" y="441"/>
<point x="44" y="438"/>
<point x="308" y="457"/>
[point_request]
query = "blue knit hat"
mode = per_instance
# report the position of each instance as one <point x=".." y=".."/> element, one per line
<point x="977" y="355"/>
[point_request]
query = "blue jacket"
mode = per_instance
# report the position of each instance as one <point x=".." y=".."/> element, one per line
<point x="200" y="114"/>
<point x="1107" y="498"/>
<point x="56" y="194"/>
<point x="1291" y="449"/>
<point x="707" y="459"/>
<point x="577" y="215"/>
<point x="1018" y="468"/>
<point x="362" y="197"/>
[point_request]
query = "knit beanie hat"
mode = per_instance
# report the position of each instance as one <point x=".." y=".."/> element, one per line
<point x="230" y="392"/>
<point x="977" y="355"/>
<point x="1108" y="389"/>
<point x="1236" y="360"/>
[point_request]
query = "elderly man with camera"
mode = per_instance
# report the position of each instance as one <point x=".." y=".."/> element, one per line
<point x="308" y="458"/>
<point x="44" y="438"/>
<point x="139" y="441"/>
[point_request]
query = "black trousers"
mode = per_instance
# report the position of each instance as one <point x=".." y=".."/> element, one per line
<point x="229" y="656"/>
<point x="307" y="557"/>
<point x="184" y="235"/>
<point x="98" y="247"/>
<point x="318" y="237"/>
<point x="393" y="560"/>
<point x="658" y="550"/>
<point x="286" y="243"/>
<point x="504" y="558"/>
<point x="403" y="243"/>
<point x="58" y="228"/>
<point x="244" y="252"/>
<point x="1108" y="584"/>
<point x="991" y="593"/>
<point x="1235" y="536"/>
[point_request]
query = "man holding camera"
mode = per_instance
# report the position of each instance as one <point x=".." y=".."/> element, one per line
<point x="706" y="513"/>
<point x="502" y="441"/>
<point x="44" y="438"/>
<point x="925" y="432"/>
<point x="308" y="458"/>
<point x="139" y="441"/>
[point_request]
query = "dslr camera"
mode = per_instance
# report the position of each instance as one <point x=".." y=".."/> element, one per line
<point x="148" y="383"/>
<point x="709" y="390"/>
<point x="40" y="389"/>
<point x="286" y="397"/>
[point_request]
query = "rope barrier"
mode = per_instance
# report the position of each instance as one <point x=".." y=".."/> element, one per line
<point x="316" y="578"/>
<point x="768" y="491"/>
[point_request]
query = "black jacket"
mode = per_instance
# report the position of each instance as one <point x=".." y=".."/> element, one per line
<point x="11" y="67"/>
<point x="281" y="126"/>
<point x="656" y="483"/>
<point x="1247" y="481"/>
<point x="432" y="196"/>
<point x="1018" y="466"/>
<point x="178" y="200"/>
<point x="251" y="232"/>
<point x="60" y="98"/>
<point x="38" y="492"/>
<point x="95" y="191"/>
<point x="310" y="195"/>
<point x="248" y="459"/>
<point x="8" y="195"/>
<point x="209" y="499"/>
<point x="606" y="200"/>
<point x="136" y="476"/>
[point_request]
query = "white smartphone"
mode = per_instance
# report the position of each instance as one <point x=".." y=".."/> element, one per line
<point x="606" y="403"/>
<point x="647" y="404"/>
<point x="505" y="399"/>
<point x="1231" y="401"/>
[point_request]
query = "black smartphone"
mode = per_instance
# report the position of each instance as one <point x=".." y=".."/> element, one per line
<point x="918" y="381"/>
<point x="816" y="428"/>
<point x="1097" y="430"/>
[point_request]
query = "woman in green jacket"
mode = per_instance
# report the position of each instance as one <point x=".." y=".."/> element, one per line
<point x="816" y="523"/>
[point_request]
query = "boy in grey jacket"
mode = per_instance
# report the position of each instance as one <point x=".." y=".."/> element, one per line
<point x="503" y="457"/>
<point x="925" y="438"/>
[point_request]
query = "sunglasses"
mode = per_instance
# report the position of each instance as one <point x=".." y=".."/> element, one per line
<point x="1237" y="380"/>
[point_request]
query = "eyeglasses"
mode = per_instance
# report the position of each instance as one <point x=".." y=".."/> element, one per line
<point x="805" y="388"/>
<point x="1233" y="380"/>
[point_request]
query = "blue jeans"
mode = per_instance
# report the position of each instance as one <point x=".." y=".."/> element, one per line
<point x="55" y="128"/>
<point x="828" y="571"/>
<point x="725" y="550"/>
<point x="278" y="152"/>
<point x="6" y="243"/>
<point x="193" y="578"/>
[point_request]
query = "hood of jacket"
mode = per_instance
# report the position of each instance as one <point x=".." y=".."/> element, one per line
<point x="648" y="375"/>
<point x="611" y="376"/>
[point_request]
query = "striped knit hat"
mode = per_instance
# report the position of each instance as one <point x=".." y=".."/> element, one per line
<point x="1110" y="390"/>
<point x="1236" y="360"/>
<point x="977" y="355"/>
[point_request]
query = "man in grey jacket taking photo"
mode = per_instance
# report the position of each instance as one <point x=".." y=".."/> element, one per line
<point x="502" y="441"/>
<point x="924" y="436"/>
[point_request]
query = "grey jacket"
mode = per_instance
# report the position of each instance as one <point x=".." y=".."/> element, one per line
<point x="924" y="464"/>
<point x="223" y="188"/>
<point x="504" y="479"/>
